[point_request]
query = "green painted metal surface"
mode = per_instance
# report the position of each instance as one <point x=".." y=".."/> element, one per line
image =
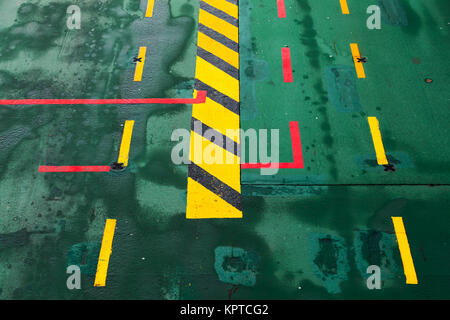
<point x="306" y="234"/>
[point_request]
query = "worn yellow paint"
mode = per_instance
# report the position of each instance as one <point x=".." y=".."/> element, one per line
<point x="126" y="142"/>
<point x="224" y="6"/>
<point x="150" y="5"/>
<point x="140" y="65"/>
<point x="219" y="25"/>
<point x="377" y="141"/>
<point x="204" y="204"/>
<point x="405" y="251"/>
<point x="358" y="65"/>
<point x="344" y="7"/>
<point x="218" y="117"/>
<point x="218" y="49"/>
<point x="105" y="253"/>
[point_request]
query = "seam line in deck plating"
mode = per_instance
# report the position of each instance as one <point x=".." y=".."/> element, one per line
<point x="214" y="189"/>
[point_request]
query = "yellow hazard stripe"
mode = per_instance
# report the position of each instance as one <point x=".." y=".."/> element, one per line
<point x="149" y="12"/>
<point x="204" y="204"/>
<point x="358" y="65"/>
<point x="218" y="49"/>
<point x="218" y="117"/>
<point x="344" y="7"/>
<point x="225" y="6"/>
<point x="219" y="25"/>
<point x="217" y="79"/>
<point x="140" y="65"/>
<point x="105" y="253"/>
<point x="405" y="252"/>
<point x="126" y="142"/>
<point x="377" y="141"/>
<point x="216" y="161"/>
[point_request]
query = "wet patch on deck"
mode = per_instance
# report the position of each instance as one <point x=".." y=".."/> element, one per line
<point x="341" y="87"/>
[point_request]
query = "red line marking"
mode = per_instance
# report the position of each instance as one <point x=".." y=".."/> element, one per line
<point x="281" y="9"/>
<point x="287" y="68"/>
<point x="74" y="168"/>
<point x="201" y="98"/>
<point x="296" y="152"/>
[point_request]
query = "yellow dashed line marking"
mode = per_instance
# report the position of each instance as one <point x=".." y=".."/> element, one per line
<point x="344" y="6"/>
<point x="140" y="65"/>
<point x="405" y="252"/>
<point x="126" y="142"/>
<point x="105" y="253"/>
<point x="377" y="141"/>
<point x="149" y="12"/>
<point x="358" y="65"/>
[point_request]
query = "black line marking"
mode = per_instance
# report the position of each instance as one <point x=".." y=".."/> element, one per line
<point x="227" y="143"/>
<point x="218" y="63"/>
<point x="219" y="13"/>
<point x="218" y="37"/>
<point x="214" y="185"/>
<point x="235" y="2"/>
<point x="218" y="97"/>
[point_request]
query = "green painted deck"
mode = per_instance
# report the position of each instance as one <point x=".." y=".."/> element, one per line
<point x="306" y="233"/>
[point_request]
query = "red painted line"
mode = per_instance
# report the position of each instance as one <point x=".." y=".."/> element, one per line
<point x="281" y="9"/>
<point x="201" y="98"/>
<point x="296" y="152"/>
<point x="74" y="168"/>
<point x="287" y="69"/>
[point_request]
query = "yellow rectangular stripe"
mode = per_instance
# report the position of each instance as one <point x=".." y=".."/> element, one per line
<point x="215" y="160"/>
<point x="204" y="204"/>
<point x="405" y="252"/>
<point x="149" y="12"/>
<point x="224" y="6"/>
<point x="105" y="253"/>
<point x="217" y="116"/>
<point x="217" y="79"/>
<point x="377" y="141"/>
<point x="126" y="142"/>
<point x="218" y="49"/>
<point x="140" y="65"/>
<point x="344" y="7"/>
<point x="219" y="25"/>
<point x="358" y="65"/>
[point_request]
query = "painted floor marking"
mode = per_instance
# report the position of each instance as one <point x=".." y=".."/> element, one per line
<point x="140" y="64"/>
<point x="296" y="152"/>
<point x="281" y="9"/>
<point x="200" y="98"/>
<point x="358" y="65"/>
<point x="287" y="68"/>
<point x="405" y="252"/>
<point x="74" y="168"/>
<point x="213" y="188"/>
<point x="150" y="5"/>
<point x="105" y="253"/>
<point x="344" y="6"/>
<point x="377" y="141"/>
<point x="126" y="142"/>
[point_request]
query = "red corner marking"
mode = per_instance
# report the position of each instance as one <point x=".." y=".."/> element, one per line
<point x="74" y="168"/>
<point x="281" y="9"/>
<point x="201" y="98"/>
<point x="296" y="152"/>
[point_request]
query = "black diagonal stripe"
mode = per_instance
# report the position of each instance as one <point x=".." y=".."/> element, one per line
<point x="219" y="63"/>
<point x="233" y="1"/>
<point x="228" y="144"/>
<point x="218" y="37"/>
<point x="218" y="97"/>
<point x="219" y="13"/>
<point x="214" y="185"/>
